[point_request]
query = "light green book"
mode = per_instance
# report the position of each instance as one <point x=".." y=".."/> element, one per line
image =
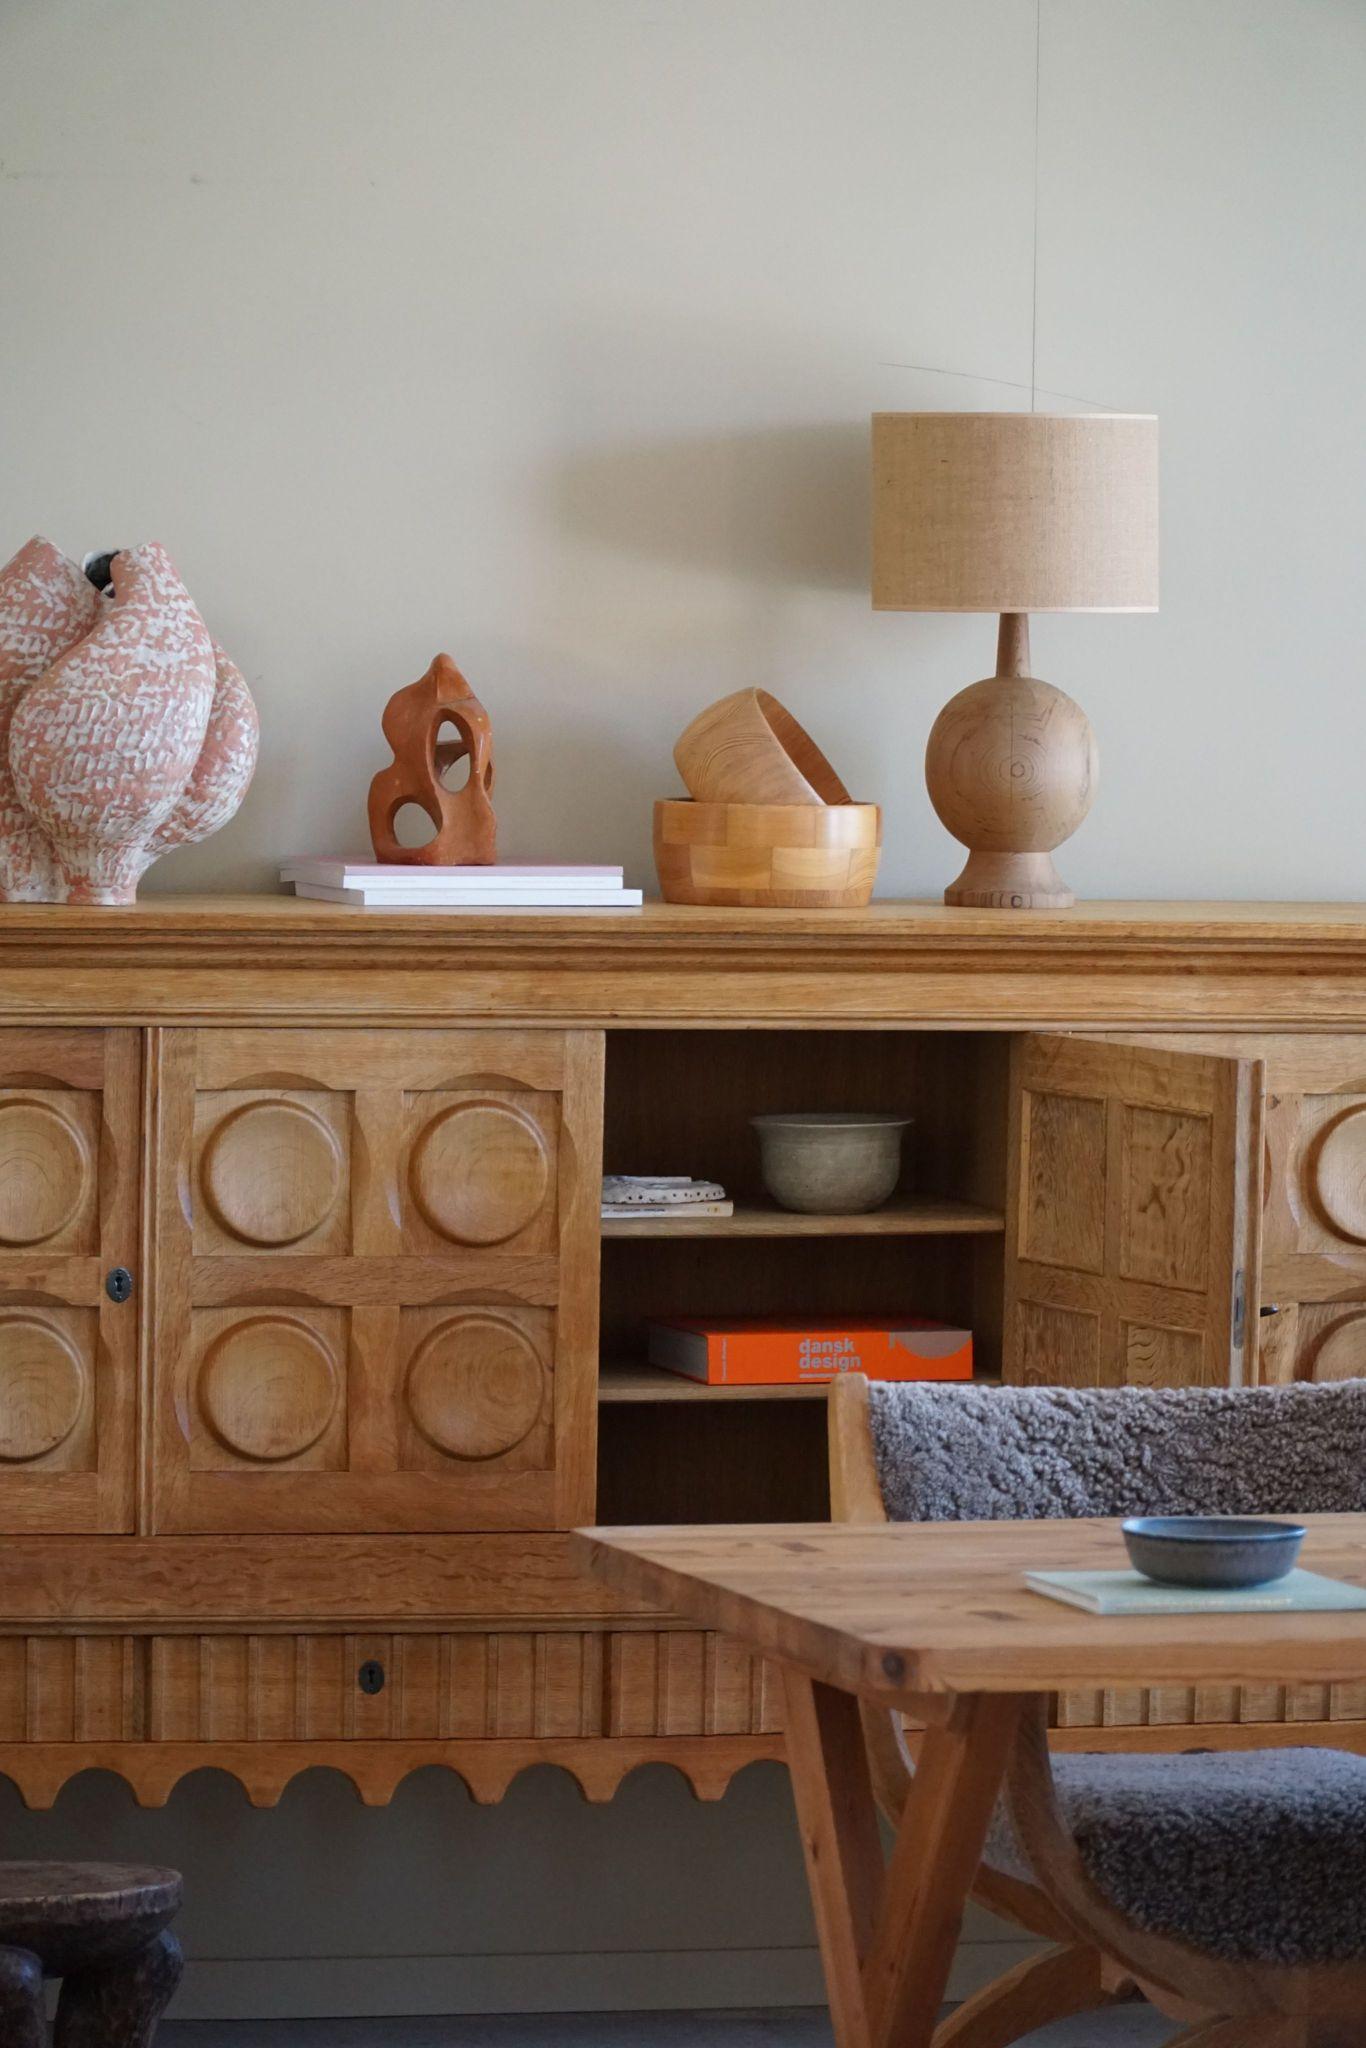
<point x="1130" y="1593"/>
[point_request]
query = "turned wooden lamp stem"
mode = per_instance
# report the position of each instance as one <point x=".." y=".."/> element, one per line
<point x="1012" y="644"/>
<point x="1010" y="767"/>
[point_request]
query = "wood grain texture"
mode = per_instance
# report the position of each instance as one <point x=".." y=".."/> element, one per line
<point x="348" y="1398"/>
<point x="1044" y="1989"/>
<point x="634" y="1384"/>
<point x="747" y="748"/>
<point x="793" y="856"/>
<point x="558" y="1684"/>
<point x="863" y="1612"/>
<point x="704" y="1461"/>
<point x="908" y="1610"/>
<point x="579" y="1198"/>
<point x="893" y="1744"/>
<point x="238" y="960"/>
<point x="333" y="1041"/>
<point x="959" y="1772"/>
<point x="1011" y="769"/>
<point x="837" y="1821"/>
<point x="85" y="1693"/>
<point x="376" y="1769"/>
<point x="69" y="1172"/>
<point x="1133" y="1225"/>
<point x="680" y="1102"/>
<point x="153" y="1583"/>
<point x="903" y="1216"/>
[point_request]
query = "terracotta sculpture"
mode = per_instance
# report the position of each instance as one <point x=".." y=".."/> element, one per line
<point x="125" y="730"/>
<point x="413" y="723"/>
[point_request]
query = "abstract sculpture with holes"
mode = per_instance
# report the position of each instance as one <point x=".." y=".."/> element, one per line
<point x="414" y="722"/>
<point x="125" y="730"/>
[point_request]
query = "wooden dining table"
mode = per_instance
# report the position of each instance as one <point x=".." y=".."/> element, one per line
<point x="936" y="1620"/>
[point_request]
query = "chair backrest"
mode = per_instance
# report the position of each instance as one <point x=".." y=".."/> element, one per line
<point x="995" y="1454"/>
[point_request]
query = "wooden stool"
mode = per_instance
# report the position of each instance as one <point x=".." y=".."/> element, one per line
<point x="104" y="1929"/>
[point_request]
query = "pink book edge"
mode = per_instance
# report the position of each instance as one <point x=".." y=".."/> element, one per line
<point x="329" y="868"/>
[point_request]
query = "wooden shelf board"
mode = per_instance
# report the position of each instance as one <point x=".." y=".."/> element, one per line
<point x="641" y="1383"/>
<point x="647" y="1383"/>
<point x="907" y="1216"/>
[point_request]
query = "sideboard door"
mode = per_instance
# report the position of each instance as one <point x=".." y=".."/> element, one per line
<point x="377" y="1279"/>
<point x="69" y="1281"/>
<point x="1134" y="1215"/>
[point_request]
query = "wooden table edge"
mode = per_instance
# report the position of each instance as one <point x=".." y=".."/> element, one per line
<point x="905" y="1679"/>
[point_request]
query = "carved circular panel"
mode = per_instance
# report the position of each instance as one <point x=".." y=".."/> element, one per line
<point x="42" y="1388"/>
<point x="476" y="1385"/>
<point x="1337" y="1175"/>
<point x="268" y="1388"/>
<point x="480" y="1172"/>
<point x="1342" y="1354"/>
<point x="272" y="1172"/>
<point x="44" y="1171"/>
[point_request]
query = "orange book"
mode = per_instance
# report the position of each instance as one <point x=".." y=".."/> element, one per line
<point x="761" y="1352"/>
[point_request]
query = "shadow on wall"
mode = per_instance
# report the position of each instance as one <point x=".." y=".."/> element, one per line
<point x="781" y="505"/>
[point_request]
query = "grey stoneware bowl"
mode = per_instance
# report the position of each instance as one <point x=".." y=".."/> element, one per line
<point x="1212" y="1551"/>
<point x="830" y="1162"/>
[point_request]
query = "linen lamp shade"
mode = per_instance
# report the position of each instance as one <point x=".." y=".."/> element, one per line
<point x="1014" y="512"/>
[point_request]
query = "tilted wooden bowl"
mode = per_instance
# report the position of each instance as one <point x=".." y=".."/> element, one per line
<point x="786" y="856"/>
<point x="748" y="749"/>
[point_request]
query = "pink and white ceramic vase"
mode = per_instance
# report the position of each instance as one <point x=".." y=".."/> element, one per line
<point x="125" y="730"/>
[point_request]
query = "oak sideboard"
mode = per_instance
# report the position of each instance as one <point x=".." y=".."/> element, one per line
<point x="313" y="1347"/>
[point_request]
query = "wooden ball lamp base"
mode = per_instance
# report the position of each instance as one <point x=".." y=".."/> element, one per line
<point x="1011" y="769"/>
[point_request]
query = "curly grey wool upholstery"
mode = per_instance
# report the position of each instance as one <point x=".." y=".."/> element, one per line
<point x="1254" y="1857"/>
<point x="1012" y="1454"/>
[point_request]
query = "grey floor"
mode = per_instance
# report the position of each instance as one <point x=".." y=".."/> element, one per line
<point x="1132" y="2028"/>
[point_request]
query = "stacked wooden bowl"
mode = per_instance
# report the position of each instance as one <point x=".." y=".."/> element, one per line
<point x="767" y="821"/>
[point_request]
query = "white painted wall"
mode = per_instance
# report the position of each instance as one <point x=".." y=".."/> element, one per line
<point x="546" y="331"/>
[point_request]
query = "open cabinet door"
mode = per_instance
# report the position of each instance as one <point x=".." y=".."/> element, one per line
<point x="1133" y="1233"/>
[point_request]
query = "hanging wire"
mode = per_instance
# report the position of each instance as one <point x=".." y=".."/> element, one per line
<point x="1034" y="295"/>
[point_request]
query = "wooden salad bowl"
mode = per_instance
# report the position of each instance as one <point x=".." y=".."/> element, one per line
<point x="748" y="749"/>
<point x="785" y="856"/>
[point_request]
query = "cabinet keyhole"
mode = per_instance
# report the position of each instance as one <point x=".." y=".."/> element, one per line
<point x="370" y="1677"/>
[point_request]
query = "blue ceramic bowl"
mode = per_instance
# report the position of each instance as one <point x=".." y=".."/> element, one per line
<point x="1212" y="1550"/>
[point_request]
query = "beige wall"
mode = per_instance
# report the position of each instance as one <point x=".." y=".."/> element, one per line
<point x="546" y="331"/>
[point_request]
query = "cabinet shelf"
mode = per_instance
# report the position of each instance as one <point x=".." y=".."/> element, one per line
<point x="647" y="1384"/>
<point x="641" y="1383"/>
<point x="908" y="1216"/>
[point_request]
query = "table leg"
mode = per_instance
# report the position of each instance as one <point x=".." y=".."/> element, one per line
<point x="888" y="1936"/>
<point x="939" y="1845"/>
<point x="837" y="1815"/>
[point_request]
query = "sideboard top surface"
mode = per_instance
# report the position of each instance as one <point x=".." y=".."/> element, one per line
<point x="268" y="916"/>
<point x="207" y="959"/>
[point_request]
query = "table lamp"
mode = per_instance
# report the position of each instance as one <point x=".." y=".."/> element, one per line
<point x="1013" y="512"/>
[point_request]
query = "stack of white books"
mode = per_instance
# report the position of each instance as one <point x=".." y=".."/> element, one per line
<point x="333" y="878"/>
